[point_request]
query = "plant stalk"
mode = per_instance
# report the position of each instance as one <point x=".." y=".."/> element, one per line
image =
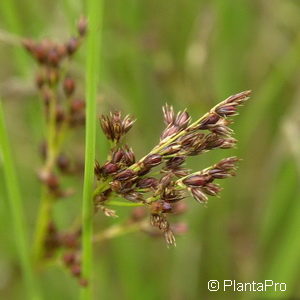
<point x="94" y="13"/>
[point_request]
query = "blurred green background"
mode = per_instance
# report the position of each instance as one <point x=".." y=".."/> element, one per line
<point x="191" y="54"/>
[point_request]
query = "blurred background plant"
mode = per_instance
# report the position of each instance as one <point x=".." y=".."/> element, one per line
<point x="190" y="54"/>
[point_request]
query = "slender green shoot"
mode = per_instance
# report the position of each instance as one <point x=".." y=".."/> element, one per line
<point x="17" y="214"/>
<point x="94" y="12"/>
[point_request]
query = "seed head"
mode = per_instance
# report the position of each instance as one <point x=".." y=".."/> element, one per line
<point x="114" y="127"/>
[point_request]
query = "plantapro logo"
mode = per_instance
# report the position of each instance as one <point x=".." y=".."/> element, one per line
<point x="235" y="286"/>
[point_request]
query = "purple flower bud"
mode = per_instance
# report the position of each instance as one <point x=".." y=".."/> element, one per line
<point x="125" y="175"/>
<point x="182" y="119"/>
<point x="170" y="130"/>
<point x="109" y="168"/>
<point x="175" y="162"/>
<point x="147" y="182"/>
<point x="211" y="119"/>
<point x="196" y="180"/>
<point x="211" y="189"/>
<point x="152" y="160"/>
<point x="117" y="156"/>
<point x="171" y="149"/>
<point x="69" y="86"/>
<point x="226" y="110"/>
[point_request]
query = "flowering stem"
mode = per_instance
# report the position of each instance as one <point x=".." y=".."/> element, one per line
<point x="47" y="200"/>
<point x="118" y="230"/>
<point x="44" y="216"/>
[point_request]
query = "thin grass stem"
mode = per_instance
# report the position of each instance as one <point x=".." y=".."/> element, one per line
<point x="17" y="214"/>
<point x="94" y="12"/>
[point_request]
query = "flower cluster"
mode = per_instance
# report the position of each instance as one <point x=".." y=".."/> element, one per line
<point x="63" y="108"/>
<point x="161" y="191"/>
<point x="64" y="112"/>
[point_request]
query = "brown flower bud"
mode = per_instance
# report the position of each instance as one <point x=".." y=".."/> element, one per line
<point x="152" y="160"/>
<point x="72" y="45"/>
<point x="53" y="57"/>
<point x="117" y="155"/>
<point x="82" y="26"/>
<point x="208" y="121"/>
<point x="219" y="174"/>
<point x="114" y="127"/>
<point x="171" y="149"/>
<point x="170" y="130"/>
<point x="129" y="157"/>
<point x="143" y="171"/>
<point x="228" y="143"/>
<point x="69" y="86"/>
<point x="175" y="162"/>
<point x="40" y="53"/>
<point x="182" y="119"/>
<point x="77" y="105"/>
<point x="125" y="175"/>
<point x="51" y="180"/>
<point x="211" y="189"/>
<point x="63" y="163"/>
<point x="148" y="182"/>
<point x="69" y="258"/>
<point x="222" y="130"/>
<point x="109" y="168"/>
<point x="196" y="180"/>
<point x="226" y="110"/>
<point x="227" y="164"/>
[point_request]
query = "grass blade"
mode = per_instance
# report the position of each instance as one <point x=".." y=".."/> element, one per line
<point x="17" y="214"/>
<point x="94" y="10"/>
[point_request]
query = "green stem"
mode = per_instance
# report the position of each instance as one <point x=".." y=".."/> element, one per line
<point x="18" y="218"/>
<point x="51" y="142"/>
<point x="44" y="217"/>
<point x="122" y="203"/>
<point x="94" y="12"/>
<point x="119" y="230"/>
<point x="47" y="200"/>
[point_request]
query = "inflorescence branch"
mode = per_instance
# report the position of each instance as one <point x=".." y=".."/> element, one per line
<point x="135" y="182"/>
